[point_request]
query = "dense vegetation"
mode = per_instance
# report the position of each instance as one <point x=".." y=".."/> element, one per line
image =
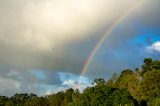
<point x="140" y="87"/>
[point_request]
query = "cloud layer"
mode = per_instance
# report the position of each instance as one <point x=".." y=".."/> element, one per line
<point x="38" y="34"/>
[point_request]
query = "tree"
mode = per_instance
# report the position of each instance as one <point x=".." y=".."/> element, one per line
<point x="68" y="96"/>
<point x="56" y="99"/>
<point x="150" y="85"/>
<point x="111" y="82"/>
<point x="103" y="95"/>
<point x="75" y="98"/>
<point x="156" y="65"/>
<point x="3" y="99"/>
<point x="122" y="80"/>
<point x="9" y="103"/>
<point x="19" y="99"/>
<point x="130" y="80"/>
<point x="148" y="61"/>
<point x="122" y="97"/>
<point x="147" y="66"/>
<point x="98" y="81"/>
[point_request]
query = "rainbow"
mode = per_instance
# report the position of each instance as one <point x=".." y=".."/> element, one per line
<point x="107" y="33"/>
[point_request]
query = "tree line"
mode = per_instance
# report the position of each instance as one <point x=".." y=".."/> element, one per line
<point x="138" y="87"/>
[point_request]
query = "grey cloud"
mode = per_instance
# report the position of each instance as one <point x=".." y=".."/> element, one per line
<point x="9" y="86"/>
<point x="31" y="36"/>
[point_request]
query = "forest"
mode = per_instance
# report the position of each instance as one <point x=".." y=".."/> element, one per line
<point x="138" y="87"/>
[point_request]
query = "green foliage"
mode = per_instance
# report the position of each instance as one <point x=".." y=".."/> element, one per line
<point x="111" y="82"/>
<point x="9" y="103"/>
<point x="68" y="96"/>
<point x="156" y="65"/>
<point x="154" y="102"/>
<point x="104" y="96"/>
<point x="56" y="99"/>
<point x="130" y="80"/>
<point x="150" y="85"/>
<point x="150" y="65"/>
<point x="99" y="81"/>
<point x="3" y="99"/>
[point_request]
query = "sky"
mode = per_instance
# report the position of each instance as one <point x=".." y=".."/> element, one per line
<point x="45" y="44"/>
